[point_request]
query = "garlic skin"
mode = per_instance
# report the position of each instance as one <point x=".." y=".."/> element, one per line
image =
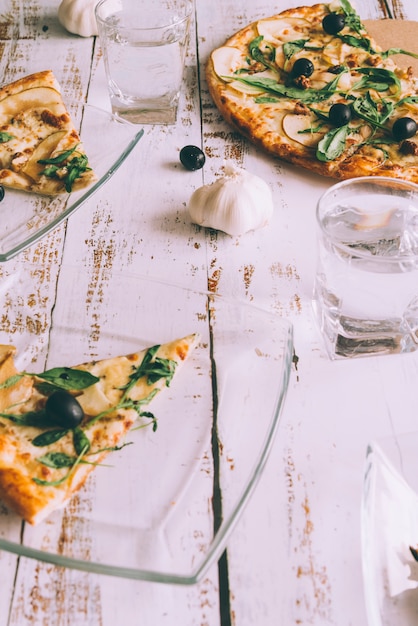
<point x="77" y="16"/>
<point x="235" y="203"/>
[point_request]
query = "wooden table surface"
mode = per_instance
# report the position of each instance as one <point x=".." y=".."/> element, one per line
<point x="295" y="555"/>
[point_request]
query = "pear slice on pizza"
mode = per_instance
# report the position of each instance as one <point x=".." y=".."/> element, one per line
<point x="57" y="426"/>
<point x="40" y="148"/>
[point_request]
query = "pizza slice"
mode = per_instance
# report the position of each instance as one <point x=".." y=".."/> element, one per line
<point x="57" y="426"/>
<point x="310" y="85"/>
<point x="40" y="148"/>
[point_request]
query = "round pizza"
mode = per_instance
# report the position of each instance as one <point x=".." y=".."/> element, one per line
<point x="312" y="87"/>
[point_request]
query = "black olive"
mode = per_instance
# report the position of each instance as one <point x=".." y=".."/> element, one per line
<point x="302" y="67"/>
<point x="63" y="409"/>
<point x="1" y="192"/>
<point x="192" y="158"/>
<point x="404" y="128"/>
<point x="333" y="23"/>
<point x="339" y="114"/>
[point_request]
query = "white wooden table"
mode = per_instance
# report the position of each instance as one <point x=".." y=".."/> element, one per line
<point x="294" y="557"/>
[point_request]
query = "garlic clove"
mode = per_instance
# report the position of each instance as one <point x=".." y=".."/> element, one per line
<point x="77" y="16"/>
<point x="236" y="203"/>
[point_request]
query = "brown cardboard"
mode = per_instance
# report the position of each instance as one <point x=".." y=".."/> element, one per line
<point x="396" y="34"/>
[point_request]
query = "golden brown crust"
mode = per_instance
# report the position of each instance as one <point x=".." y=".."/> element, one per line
<point x="20" y="467"/>
<point x="32" y="114"/>
<point x="263" y="117"/>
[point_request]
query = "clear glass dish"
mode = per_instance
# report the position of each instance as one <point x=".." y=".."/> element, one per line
<point x="26" y="217"/>
<point x="165" y="508"/>
<point x="390" y="530"/>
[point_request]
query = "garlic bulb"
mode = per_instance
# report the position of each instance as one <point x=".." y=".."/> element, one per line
<point x="235" y="203"/>
<point x="78" y="17"/>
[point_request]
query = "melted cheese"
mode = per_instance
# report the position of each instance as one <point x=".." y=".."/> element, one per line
<point x="19" y="463"/>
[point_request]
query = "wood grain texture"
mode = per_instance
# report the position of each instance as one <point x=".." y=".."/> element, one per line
<point x="294" y="557"/>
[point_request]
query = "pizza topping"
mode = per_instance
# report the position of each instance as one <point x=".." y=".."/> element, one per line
<point x="235" y="203"/>
<point x="302" y="129"/>
<point x="339" y="114"/>
<point x="192" y="158"/>
<point x="333" y="23"/>
<point x="409" y="147"/>
<point x="404" y="128"/>
<point x="302" y="67"/>
<point x="67" y="166"/>
<point x="64" y="409"/>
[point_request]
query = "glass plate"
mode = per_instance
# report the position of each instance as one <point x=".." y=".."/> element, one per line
<point x="165" y="507"/>
<point x="26" y="217"/>
<point x="389" y="530"/>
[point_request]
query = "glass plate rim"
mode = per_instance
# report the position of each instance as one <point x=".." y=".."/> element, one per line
<point x="218" y="543"/>
<point x="73" y="206"/>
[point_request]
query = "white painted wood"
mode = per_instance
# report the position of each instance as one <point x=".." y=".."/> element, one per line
<point x="294" y="557"/>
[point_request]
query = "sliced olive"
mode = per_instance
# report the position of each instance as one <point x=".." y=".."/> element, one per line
<point x="63" y="409"/>
<point x="302" y="67"/>
<point x="1" y="192"/>
<point x="339" y="114"/>
<point x="404" y="128"/>
<point x="333" y="23"/>
<point x="192" y="158"/>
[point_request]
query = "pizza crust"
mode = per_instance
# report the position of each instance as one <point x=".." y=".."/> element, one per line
<point x="19" y="464"/>
<point x="266" y="124"/>
<point x="35" y="125"/>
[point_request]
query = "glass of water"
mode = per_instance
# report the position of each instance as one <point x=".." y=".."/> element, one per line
<point x="144" y="48"/>
<point x="366" y="284"/>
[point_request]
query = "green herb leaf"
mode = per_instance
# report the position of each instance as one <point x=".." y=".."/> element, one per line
<point x="352" y="19"/>
<point x="80" y="441"/>
<point x="376" y="113"/>
<point x="50" y="436"/>
<point x="57" y="460"/>
<point x="332" y="144"/>
<point x="38" y="419"/>
<point x="391" y="51"/>
<point x="12" y="380"/>
<point x="293" y="47"/>
<point x="153" y="368"/>
<point x="266" y="56"/>
<point x="357" y="42"/>
<point x="379" y="78"/>
<point x="68" y="378"/>
<point x="5" y="137"/>
<point x="60" y="158"/>
<point x="54" y="483"/>
<point x="303" y="95"/>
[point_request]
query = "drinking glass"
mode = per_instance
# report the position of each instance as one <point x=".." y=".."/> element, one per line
<point x="366" y="285"/>
<point x="144" y="46"/>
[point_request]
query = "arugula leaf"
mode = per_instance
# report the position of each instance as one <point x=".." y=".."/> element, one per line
<point x="304" y="95"/>
<point x="57" y="377"/>
<point x="57" y="460"/>
<point x="391" y="51"/>
<point x="293" y="47"/>
<point x="68" y="378"/>
<point x="267" y="58"/>
<point x="60" y="481"/>
<point x="376" y="113"/>
<point x="5" y="137"/>
<point x="332" y="144"/>
<point x="39" y="419"/>
<point x="48" y="437"/>
<point x="80" y="440"/>
<point x="64" y="168"/>
<point x="153" y="368"/>
<point x="12" y="380"/>
<point x="357" y="42"/>
<point x="379" y="76"/>
<point x="352" y="19"/>
<point x="60" y="158"/>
